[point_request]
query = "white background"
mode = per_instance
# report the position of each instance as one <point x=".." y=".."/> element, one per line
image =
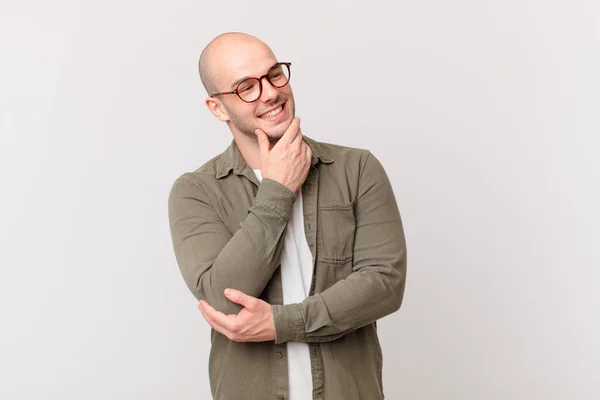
<point x="484" y="113"/>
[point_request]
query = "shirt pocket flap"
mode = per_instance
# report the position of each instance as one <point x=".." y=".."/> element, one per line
<point x="336" y="232"/>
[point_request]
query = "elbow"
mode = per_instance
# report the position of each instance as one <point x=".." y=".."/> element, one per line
<point x="392" y="303"/>
<point x="396" y="291"/>
<point x="399" y="281"/>
<point x="399" y="292"/>
<point x="398" y="297"/>
<point x="204" y="289"/>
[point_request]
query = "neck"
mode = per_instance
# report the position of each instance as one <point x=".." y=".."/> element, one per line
<point x="249" y="149"/>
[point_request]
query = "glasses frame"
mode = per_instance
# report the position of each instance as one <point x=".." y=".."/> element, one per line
<point x="260" y="87"/>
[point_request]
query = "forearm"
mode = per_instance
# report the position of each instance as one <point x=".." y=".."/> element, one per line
<point x="246" y="263"/>
<point x="352" y="303"/>
<point x="210" y="261"/>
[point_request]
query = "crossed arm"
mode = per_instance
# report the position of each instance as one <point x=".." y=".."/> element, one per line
<point x="212" y="260"/>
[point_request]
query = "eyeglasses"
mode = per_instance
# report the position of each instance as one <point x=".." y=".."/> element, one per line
<point x="250" y="89"/>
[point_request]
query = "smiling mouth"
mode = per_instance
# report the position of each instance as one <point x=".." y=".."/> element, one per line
<point x="273" y="112"/>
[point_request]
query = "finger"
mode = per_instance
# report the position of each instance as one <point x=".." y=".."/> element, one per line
<point x="217" y="318"/>
<point x="201" y="308"/>
<point x="291" y="132"/>
<point x="214" y="325"/>
<point x="298" y="139"/>
<point x="308" y="153"/>
<point x="206" y="317"/>
<point x="240" y="298"/>
<point x="263" y="141"/>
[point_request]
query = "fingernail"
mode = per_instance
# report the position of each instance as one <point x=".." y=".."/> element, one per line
<point x="227" y="292"/>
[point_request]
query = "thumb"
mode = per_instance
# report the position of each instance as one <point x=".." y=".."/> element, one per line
<point x="263" y="141"/>
<point x="240" y="298"/>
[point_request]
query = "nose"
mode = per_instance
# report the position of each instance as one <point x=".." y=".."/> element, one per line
<point x="269" y="92"/>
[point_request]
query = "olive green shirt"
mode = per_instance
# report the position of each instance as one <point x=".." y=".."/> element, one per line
<point x="228" y="232"/>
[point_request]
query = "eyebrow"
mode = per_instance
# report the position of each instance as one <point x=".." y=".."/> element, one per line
<point x="240" y="80"/>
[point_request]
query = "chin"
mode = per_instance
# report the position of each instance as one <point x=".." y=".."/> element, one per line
<point x="279" y="130"/>
<point x="275" y="135"/>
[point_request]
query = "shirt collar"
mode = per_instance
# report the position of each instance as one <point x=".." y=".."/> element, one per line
<point x="231" y="158"/>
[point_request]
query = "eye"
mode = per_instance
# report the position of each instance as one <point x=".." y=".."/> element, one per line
<point x="246" y="87"/>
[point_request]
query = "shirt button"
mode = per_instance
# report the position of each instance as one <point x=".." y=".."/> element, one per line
<point x="279" y="355"/>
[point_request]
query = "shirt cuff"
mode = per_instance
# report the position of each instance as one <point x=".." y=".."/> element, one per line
<point x="276" y="197"/>
<point x="289" y="323"/>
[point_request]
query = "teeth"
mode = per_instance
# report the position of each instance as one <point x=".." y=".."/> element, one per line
<point x="272" y="113"/>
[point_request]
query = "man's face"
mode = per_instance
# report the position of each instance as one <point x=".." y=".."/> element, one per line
<point x="272" y="112"/>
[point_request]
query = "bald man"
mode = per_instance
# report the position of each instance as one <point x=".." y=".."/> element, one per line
<point x="293" y="247"/>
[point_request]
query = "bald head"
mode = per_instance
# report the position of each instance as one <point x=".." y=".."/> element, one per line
<point x="227" y="52"/>
<point x="226" y="62"/>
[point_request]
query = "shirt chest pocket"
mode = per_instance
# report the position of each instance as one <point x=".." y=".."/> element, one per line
<point x="335" y="237"/>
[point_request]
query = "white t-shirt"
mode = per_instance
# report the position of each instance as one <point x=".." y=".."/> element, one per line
<point x="296" y="275"/>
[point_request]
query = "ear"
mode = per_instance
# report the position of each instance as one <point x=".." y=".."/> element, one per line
<point x="216" y="108"/>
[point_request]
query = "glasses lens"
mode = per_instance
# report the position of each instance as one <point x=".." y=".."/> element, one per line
<point x="279" y="75"/>
<point x="249" y="90"/>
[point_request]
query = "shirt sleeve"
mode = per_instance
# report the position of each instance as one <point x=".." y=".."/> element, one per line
<point x="375" y="288"/>
<point x="211" y="258"/>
